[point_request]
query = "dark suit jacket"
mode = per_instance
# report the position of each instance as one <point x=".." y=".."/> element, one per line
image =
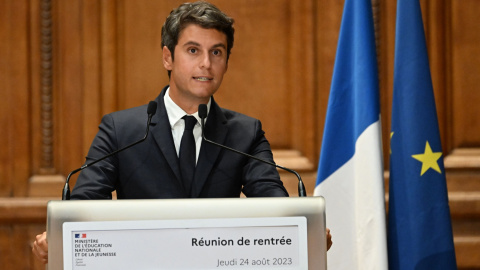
<point x="151" y="168"/>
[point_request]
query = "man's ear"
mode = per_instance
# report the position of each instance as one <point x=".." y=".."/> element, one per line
<point x="167" y="58"/>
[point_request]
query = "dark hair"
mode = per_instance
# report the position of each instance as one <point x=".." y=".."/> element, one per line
<point x="200" y="13"/>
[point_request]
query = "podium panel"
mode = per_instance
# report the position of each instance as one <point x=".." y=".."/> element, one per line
<point x="234" y="233"/>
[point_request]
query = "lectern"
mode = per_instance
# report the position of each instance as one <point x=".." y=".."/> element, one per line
<point x="233" y="233"/>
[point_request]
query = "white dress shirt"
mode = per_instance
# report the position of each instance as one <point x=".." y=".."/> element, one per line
<point x="177" y="124"/>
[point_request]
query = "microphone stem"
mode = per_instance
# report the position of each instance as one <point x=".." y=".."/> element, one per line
<point x="301" y="186"/>
<point x="118" y="150"/>
<point x="66" y="188"/>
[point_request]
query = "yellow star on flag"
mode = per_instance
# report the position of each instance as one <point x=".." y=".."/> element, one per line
<point x="428" y="159"/>
<point x="391" y="135"/>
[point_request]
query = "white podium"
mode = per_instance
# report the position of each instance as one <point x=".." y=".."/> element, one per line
<point x="240" y="233"/>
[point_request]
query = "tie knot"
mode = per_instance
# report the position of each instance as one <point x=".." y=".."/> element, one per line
<point x="190" y="122"/>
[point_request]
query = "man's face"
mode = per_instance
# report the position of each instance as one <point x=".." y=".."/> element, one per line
<point x="199" y="65"/>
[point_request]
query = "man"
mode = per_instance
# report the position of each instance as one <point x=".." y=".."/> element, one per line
<point x="197" y="39"/>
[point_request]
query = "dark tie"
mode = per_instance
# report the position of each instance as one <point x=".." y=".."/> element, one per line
<point x="188" y="153"/>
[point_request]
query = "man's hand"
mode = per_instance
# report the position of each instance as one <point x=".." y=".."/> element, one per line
<point x="40" y="247"/>
<point x="329" y="239"/>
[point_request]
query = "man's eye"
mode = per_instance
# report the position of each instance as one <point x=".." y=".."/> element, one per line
<point x="192" y="50"/>
<point x="217" y="52"/>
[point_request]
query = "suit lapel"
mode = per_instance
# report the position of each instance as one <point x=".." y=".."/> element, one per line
<point x="163" y="136"/>
<point x="215" y="130"/>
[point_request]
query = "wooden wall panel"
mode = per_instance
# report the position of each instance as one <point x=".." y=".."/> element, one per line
<point x="465" y="53"/>
<point x="257" y="80"/>
<point x="68" y="85"/>
<point x="140" y="72"/>
<point x="14" y="104"/>
<point x="91" y="36"/>
<point x="19" y="100"/>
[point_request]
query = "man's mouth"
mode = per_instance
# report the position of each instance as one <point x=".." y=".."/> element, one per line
<point x="202" y="79"/>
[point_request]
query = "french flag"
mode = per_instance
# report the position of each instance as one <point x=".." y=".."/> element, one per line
<point x="350" y="170"/>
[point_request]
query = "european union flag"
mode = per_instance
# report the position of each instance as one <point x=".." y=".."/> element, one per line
<point x="419" y="225"/>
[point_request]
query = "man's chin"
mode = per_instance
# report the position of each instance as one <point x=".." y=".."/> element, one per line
<point x="203" y="93"/>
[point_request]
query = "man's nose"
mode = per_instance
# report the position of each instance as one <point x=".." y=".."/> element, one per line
<point x="206" y="61"/>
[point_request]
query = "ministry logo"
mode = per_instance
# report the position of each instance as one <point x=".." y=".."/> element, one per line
<point x="80" y="235"/>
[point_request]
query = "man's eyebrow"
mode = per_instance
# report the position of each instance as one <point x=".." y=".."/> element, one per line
<point x="191" y="43"/>
<point x="218" y="45"/>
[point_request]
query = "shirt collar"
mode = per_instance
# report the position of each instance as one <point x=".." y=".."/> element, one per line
<point x="175" y="113"/>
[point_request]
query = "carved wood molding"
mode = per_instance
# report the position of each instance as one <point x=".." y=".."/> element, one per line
<point x="45" y="182"/>
<point x="463" y="158"/>
<point x="46" y="100"/>
<point x="23" y="210"/>
<point x="293" y="159"/>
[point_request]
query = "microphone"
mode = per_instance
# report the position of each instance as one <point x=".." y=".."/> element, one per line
<point x="151" y="110"/>
<point x="202" y="113"/>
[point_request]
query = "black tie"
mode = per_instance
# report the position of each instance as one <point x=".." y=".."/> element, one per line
<point x="188" y="153"/>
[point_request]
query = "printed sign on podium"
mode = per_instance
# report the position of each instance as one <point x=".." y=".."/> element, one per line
<point x="229" y="243"/>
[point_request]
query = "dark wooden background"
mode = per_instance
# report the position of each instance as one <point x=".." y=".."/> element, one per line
<point x="63" y="64"/>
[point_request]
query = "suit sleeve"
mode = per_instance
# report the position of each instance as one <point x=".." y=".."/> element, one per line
<point x="98" y="181"/>
<point x="261" y="179"/>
